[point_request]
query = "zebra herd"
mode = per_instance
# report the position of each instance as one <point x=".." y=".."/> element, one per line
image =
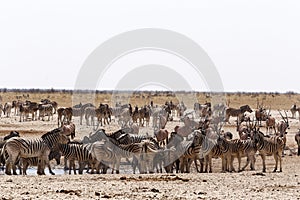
<point x="100" y="151"/>
<point x="192" y="143"/>
<point x="37" y="110"/>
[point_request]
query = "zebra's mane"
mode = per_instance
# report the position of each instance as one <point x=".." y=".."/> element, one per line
<point x="116" y="133"/>
<point x="55" y="131"/>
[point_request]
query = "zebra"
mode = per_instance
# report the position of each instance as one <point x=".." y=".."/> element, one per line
<point x="147" y="155"/>
<point x="53" y="103"/>
<point x="28" y="108"/>
<point x="297" y="139"/>
<point x="3" y="141"/>
<point x="236" y="112"/>
<point x="294" y="110"/>
<point x="7" y="109"/>
<point x="1" y="109"/>
<point x="34" y="161"/>
<point x="103" y="112"/>
<point x="122" y="151"/>
<point x="190" y="150"/>
<point x="79" y="152"/>
<point x="269" y="146"/>
<point x="16" y="106"/>
<point x="211" y="149"/>
<point x="78" y="110"/>
<point x="60" y="114"/>
<point x="249" y="151"/>
<point x="64" y="115"/>
<point x="44" y="110"/>
<point x="127" y="138"/>
<point x="231" y="149"/>
<point x="40" y="147"/>
<point x="89" y="112"/>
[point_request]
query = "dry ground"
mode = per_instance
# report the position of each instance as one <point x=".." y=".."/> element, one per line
<point x="244" y="185"/>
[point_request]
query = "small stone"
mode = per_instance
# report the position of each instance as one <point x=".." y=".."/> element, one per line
<point x="154" y="190"/>
<point x="97" y="194"/>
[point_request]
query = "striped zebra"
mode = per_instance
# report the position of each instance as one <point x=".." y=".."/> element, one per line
<point x="40" y="147"/>
<point x="190" y="151"/>
<point x="123" y="151"/>
<point x="89" y="112"/>
<point x="211" y="149"/>
<point x="7" y="109"/>
<point x="297" y="139"/>
<point x="146" y="159"/>
<point x="34" y="161"/>
<point x="130" y="139"/>
<point x="249" y="151"/>
<point x="16" y="106"/>
<point x="77" y="152"/>
<point x="45" y="110"/>
<point x="269" y="146"/>
<point x="193" y="152"/>
<point x="64" y="115"/>
<point x="1" y="109"/>
<point x="231" y="149"/>
<point x="111" y="151"/>
<point x="60" y="114"/>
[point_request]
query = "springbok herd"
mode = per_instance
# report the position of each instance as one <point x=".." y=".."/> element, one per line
<point x="197" y="138"/>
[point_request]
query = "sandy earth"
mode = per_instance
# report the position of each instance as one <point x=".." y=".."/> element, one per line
<point x="244" y="185"/>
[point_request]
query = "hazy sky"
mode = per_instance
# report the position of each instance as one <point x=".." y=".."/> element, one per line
<point x="254" y="44"/>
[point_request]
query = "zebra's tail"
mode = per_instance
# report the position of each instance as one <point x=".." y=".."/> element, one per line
<point x="2" y="155"/>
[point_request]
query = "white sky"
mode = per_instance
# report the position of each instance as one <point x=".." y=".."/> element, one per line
<point x="254" y="44"/>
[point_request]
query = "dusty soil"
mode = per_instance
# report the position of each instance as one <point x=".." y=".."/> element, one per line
<point x="217" y="185"/>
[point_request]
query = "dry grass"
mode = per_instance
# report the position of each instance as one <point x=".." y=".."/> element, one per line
<point x="273" y="100"/>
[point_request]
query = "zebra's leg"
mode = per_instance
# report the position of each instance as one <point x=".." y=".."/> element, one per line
<point x="150" y="166"/>
<point x="81" y="167"/>
<point x="239" y="163"/>
<point x="276" y="155"/>
<point x="263" y="157"/>
<point x="8" y="167"/>
<point x="247" y="162"/>
<point x="181" y="160"/>
<point x="118" y="161"/>
<point x="25" y="166"/>
<point x="206" y="164"/>
<point x="253" y="162"/>
<point x="70" y="166"/>
<point x="43" y="161"/>
<point x="177" y="162"/>
<point x="231" y="168"/>
<point x="10" y="164"/>
<point x="50" y="170"/>
<point x="280" y="162"/>
<point x="73" y="166"/>
<point x="201" y="164"/>
<point x="224" y="164"/>
<point x="210" y="163"/>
